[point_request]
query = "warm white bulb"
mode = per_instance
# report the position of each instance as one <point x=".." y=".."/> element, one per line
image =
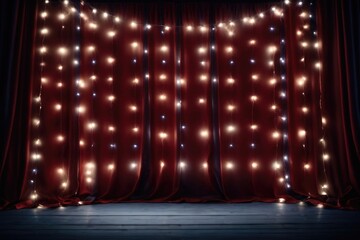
<point x="301" y="133"/>
<point x="253" y="98"/>
<point x="307" y="166"/>
<point x="162" y="97"/>
<point x="230" y="81"/>
<point x="230" y="107"/>
<point x="111" y="34"/>
<point x="57" y="107"/>
<point x="44" y="31"/>
<point x="111" y="98"/>
<point x="229" y="165"/>
<point x="134" y="44"/>
<point x="252" y="42"/>
<point x="111" y="167"/>
<point x="201" y="100"/>
<point x="164" y="48"/>
<point x="60" y="138"/>
<point x="111" y="128"/>
<point x="204" y="133"/>
<point x="276" y="135"/>
<point x="229" y="49"/>
<point x="276" y="165"/>
<point x="205" y="165"/>
<point x="110" y="60"/>
<point x="182" y="164"/>
<point x="254" y="165"/>
<point x="91" y="125"/>
<point x="133" y="24"/>
<point x="163" y="135"/>
<point x="230" y="128"/>
<point x="133" y="108"/>
<point x="253" y="127"/>
<point x="60" y="171"/>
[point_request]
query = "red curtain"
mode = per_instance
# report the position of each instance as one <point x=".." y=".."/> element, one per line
<point x="181" y="102"/>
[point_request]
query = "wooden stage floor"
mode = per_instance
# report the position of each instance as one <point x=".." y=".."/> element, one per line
<point x="181" y="221"/>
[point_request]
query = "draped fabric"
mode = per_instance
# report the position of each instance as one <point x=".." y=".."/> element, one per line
<point x="170" y="102"/>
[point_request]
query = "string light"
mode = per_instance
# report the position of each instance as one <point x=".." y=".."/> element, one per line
<point x="83" y="86"/>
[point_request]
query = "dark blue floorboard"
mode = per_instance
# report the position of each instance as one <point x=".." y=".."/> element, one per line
<point x="181" y="221"/>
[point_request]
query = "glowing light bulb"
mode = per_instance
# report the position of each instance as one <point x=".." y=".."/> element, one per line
<point x="164" y="48"/>
<point x="162" y="97"/>
<point x="204" y="133"/>
<point x="111" y="167"/>
<point x="91" y="48"/>
<point x="117" y="19"/>
<point x="230" y="128"/>
<point x="229" y="49"/>
<point x="202" y="50"/>
<point x="252" y="42"/>
<point x="230" y="81"/>
<point x="111" y="34"/>
<point x="301" y="133"/>
<point x="182" y="164"/>
<point x="254" y="165"/>
<point x="304" y="44"/>
<point x="44" y="14"/>
<point x="44" y="31"/>
<point x="135" y="129"/>
<point x="307" y="166"/>
<point x="203" y="77"/>
<point x="318" y="65"/>
<point x="281" y="200"/>
<point x="163" y="135"/>
<point x="253" y="98"/>
<point x="133" y="24"/>
<point x="60" y="138"/>
<point x="229" y="165"/>
<point x="326" y="156"/>
<point x="201" y="100"/>
<point x="272" y="81"/>
<point x="272" y="49"/>
<point x="276" y="135"/>
<point x="105" y="15"/>
<point x="111" y="98"/>
<point x="60" y="171"/>
<point x="57" y="107"/>
<point x="110" y="60"/>
<point x="61" y="16"/>
<point x="276" y="165"/>
<point x="162" y="77"/>
<point x="43" y="50"/>
<point x="81" y="143"/>
<point x="253" y="127"/>
<point x="230" y="107"/>
<point x="111" y="128"/>
<point x="162" y="164"/>
<point x="189" y="28"/>
<point x="254" y="77"/>
<point x="205" y="165"/>
<point x="304" y="109"/>
<point x="91" y="125"/>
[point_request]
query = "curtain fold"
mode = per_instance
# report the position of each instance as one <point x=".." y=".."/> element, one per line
<point x="110" y="102"/>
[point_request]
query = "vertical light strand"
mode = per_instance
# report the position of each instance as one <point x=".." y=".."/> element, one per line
<point x="35" y="155"/>
<point x="214" y="97"/>
<point x="89" y="168"/>
<point x="284" y="110"/>
<point x="112" y="98"/>
<point x="59" y="106"/>
<point x="301" y="82"/>
<point x="324" y="187"/>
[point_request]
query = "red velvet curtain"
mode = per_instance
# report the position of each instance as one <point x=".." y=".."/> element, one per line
<point x="181" y="102"/>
